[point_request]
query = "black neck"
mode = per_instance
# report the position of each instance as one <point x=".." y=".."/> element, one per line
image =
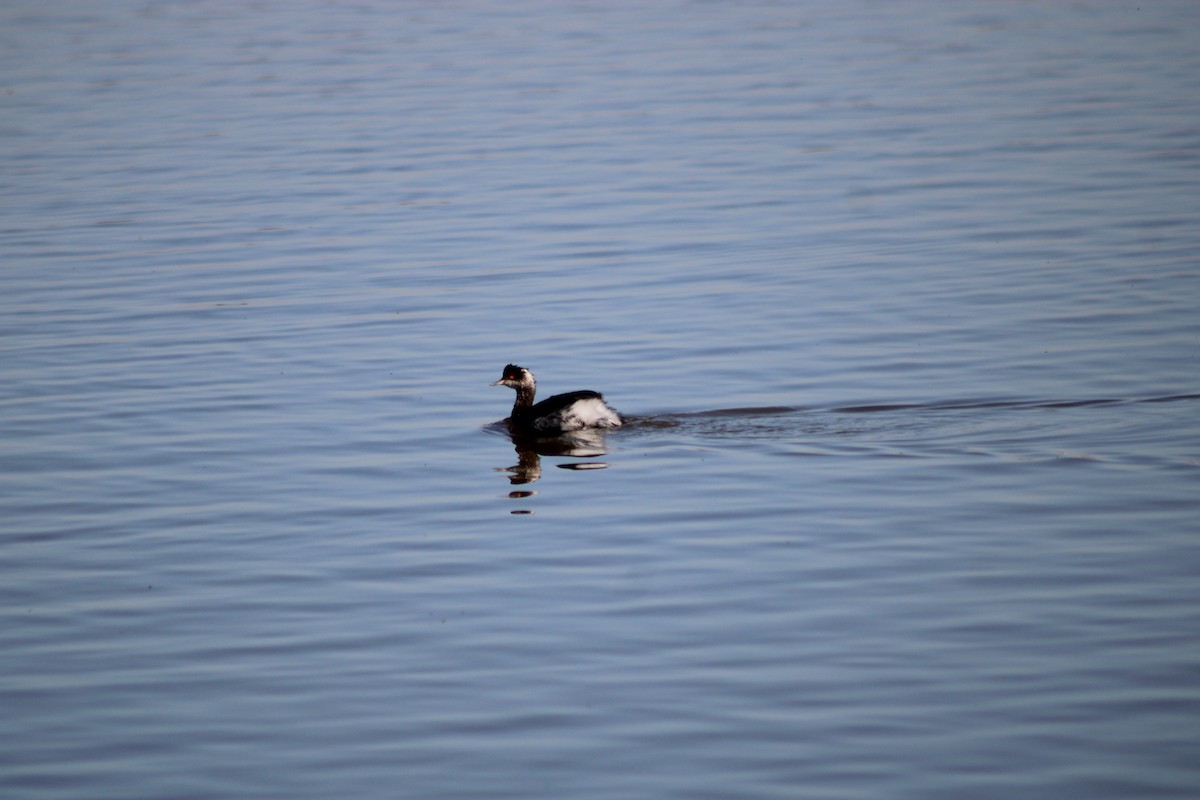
<point x="524" y="397"/>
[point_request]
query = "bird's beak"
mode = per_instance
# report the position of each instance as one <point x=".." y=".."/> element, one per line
<point x="497" y="383"/>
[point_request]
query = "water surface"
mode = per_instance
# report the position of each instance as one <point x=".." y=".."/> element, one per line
<point x="900" y="300"/>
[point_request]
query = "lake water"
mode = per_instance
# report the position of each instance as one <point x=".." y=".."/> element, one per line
<point x="901" y="300"/>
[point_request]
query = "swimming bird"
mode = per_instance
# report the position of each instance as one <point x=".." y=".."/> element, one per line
<point x="571" y="411"/>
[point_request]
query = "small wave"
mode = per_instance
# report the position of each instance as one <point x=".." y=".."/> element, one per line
<point x="930" y="420"/>
<point x="971" y="404"/>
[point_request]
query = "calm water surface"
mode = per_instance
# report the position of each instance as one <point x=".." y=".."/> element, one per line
<point x="900" y="299"/>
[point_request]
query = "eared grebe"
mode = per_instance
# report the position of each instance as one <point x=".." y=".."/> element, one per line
<point x="572" y="411"/>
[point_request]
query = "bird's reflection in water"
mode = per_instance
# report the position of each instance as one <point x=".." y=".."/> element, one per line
<point x="530" y="449"/>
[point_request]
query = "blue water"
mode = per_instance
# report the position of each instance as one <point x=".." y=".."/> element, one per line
<point x="900" y="300"/>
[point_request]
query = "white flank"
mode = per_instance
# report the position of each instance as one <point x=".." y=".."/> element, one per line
<point x="589" y="413"/>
